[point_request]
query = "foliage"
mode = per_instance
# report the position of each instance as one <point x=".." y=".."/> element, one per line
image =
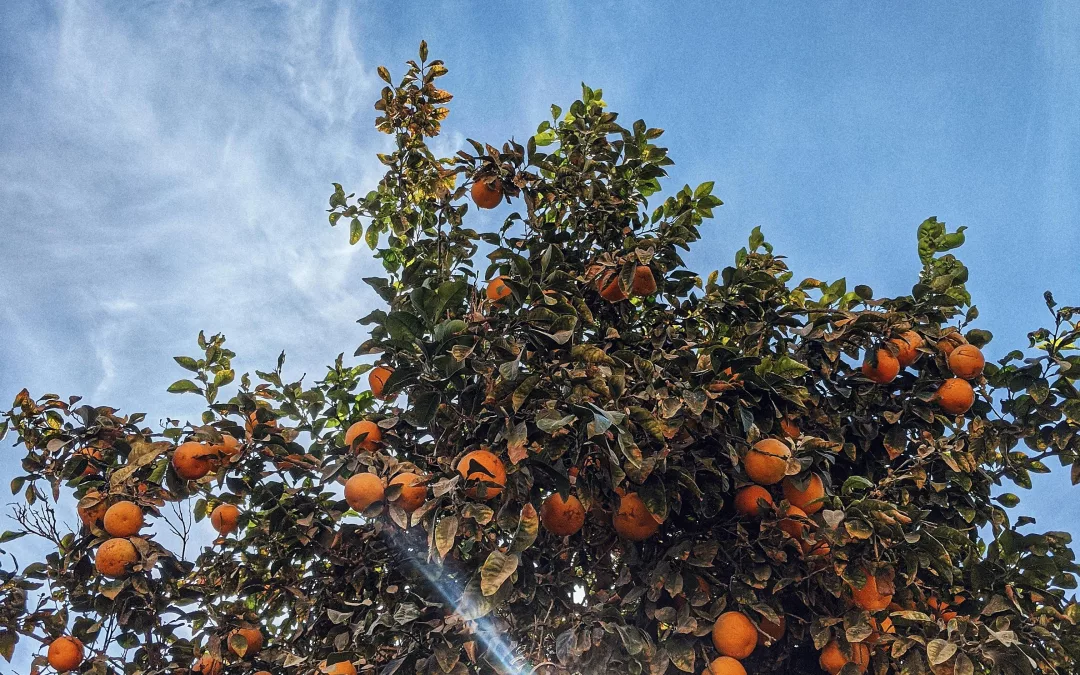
<point x="661" y="394"/>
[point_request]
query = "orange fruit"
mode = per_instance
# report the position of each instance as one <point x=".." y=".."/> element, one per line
<point x="766" y="463"/>
<point x="950" y="341"/>
<point x="123" y="519"/>
<point x="377" y="378"/>
<point x="262" y="672"/>
<point x="65" y="653"/>
<point x="225" y="518"/>
<point x="798" y="529"/>
<point x="371" y="432"/>
<point x="91" y="455"/>
<point x="253" y="421"/>
<point x="92" y="509"/>
<point x="228" y="446"/>
<point x="497" y="289"/>
<point x="632" y="520"/>
<point x="486" y="193"/>
<point x="868" y="597"/>
<point x="774" y="631"/>
<point x="644" y="283"/>
<point x="484" y="474"/>
<point x="115" y="558"/>
<point x="208" y="664"/>
<point x="254" y="639"/>
<point x="562" y="517"/>
<point x="832" y="659"/>
<point x="816" y="548"/>
<point x="363" y="490"/>
<point x="966" y="361"/>
<point x="734" y="635"/>
<point x="907" y="346"/>
<point x="339" y="668"/>
<point x="724" y="665"/>
<point x="884" y="370"/>
<point x="789" y="427"/>
<point x="193" y="460"/>
<point x="955" y="396"/>
<point x="412" y="495"/>
<point x="610" y="289"/>
<point x="808" y="499"/>
<point x="747" y="498"/>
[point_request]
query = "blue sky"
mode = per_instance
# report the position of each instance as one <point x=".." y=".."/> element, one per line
<point x="165" y="166"/>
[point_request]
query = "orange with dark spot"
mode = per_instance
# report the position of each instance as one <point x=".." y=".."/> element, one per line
<point x="789" y="427"/>
<point x="882" y="369"/>
<point x="967" y="361"/>
<point x="767" y="461"/>
<point x="225" y="518"/>
<point x="610" y="289"/>
<point x="339" y="668"/>
<point x="632" y="520"/>
<point x="868" y="597"/>
<point x="562" y="517"/>
<point x="254" y="638"/>
<point x="794" y="523"/>
<point x="724" y="665"/>
<point x="497" y="289"/>
<point x="66" y="653"/>
<point x="228" y="446"/>
<point x="907" y="346"/>
<point x="377" y="378"/>
<point x="774" y="631"/>
<point x="832" y="659"/>
<point x="115" y="558"/>
<point x="484" y="474"/>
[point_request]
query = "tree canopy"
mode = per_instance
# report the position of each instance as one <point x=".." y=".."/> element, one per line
<point x="578" y="457"/>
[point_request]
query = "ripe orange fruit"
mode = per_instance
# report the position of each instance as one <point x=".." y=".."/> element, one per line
<point x="734" y="635"/>
<point x="884" y="370"/>
<point x="412" y="495"/>
<point x="798" y="529"/>
<point x="208" y="665"/>
<point x="228" y="446"/>
<point x="955" y="396"/>
<point x="644" y="283"/>
<point x="487" y="193"/>
<point x="262" y="672"/>
<point x="225" y="518"/>
<point x="193" y="460"/>
<point x="908" y="345"/>
<point x="724" y="665"/>
<point x="774" y="631"/>
<point x="91" y="455"/>
<point x="832" y="659"/>
<point x="816" y="548"/>
<point x="92" y="509"/>
<point x="610" y="289"/>
<point x="966" y="361"/>
<point x="886" y="627"/>
<point x="868" y="597"/>
<point x="253" y="421"/>
<point x="808" y="499"/>
<point x="766" y="463"/>
<point x="950" y="341"/>
<point x="123" y="519"/>
<point x="746" y="501"/>
<point x="497" y="289"/>
<point x="115" y="558"/>
<point x="377" y="378"/>
<point x="632" y="520"/>
<point x="254" y="639"/>
<point x="789" y="427"/>
<point x="372" y="435"/>
<point x="562" y="517"/>
<point x="339" y="668"/>
<point x="65" y="653"/>
<point x="484" y="474"/>
<point x="363" y="490"/>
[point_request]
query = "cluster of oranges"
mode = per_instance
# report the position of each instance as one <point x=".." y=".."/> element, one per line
<point x="955" y="395"/>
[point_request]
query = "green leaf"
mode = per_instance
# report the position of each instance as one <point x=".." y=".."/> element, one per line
<point x="356" y="231"/>
<point x="496" y="570"/>
<point x="183" y="387"/>
<point x="187" y="363"/>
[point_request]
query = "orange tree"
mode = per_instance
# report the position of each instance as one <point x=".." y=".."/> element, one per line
<point x="583" y="457"/>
